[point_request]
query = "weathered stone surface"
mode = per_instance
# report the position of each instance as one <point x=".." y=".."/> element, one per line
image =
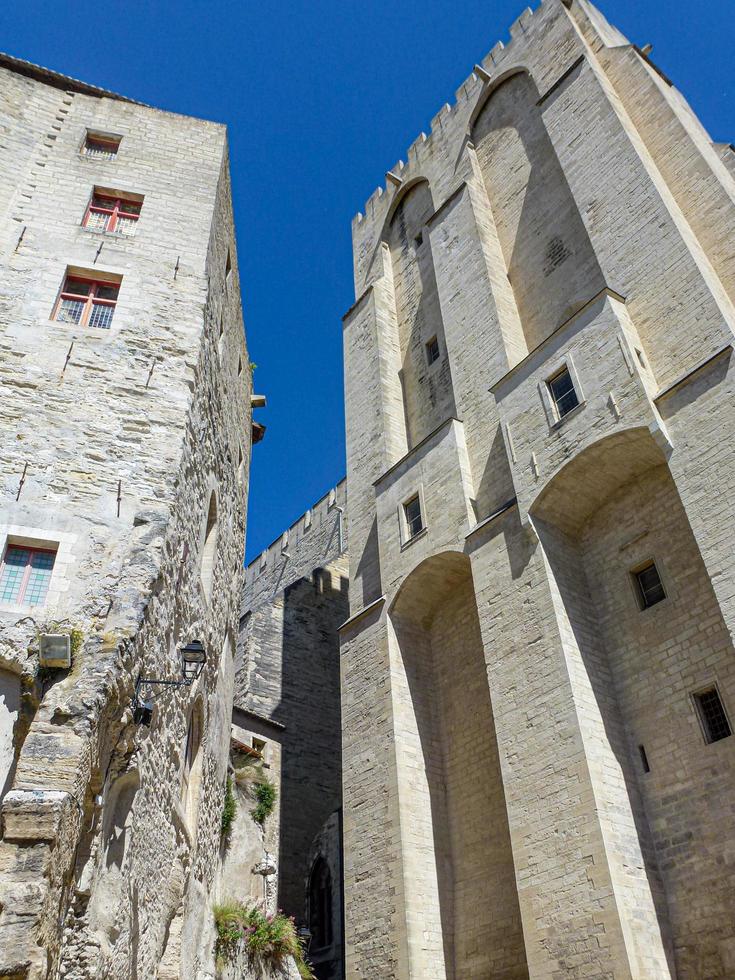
<point x="501" y="684"/>
<point x="115" y="443"/>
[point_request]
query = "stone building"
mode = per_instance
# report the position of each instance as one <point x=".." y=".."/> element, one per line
<point x="287" y="708"/>
<point x="538" y="681"/>
<point x="125" y="418"/>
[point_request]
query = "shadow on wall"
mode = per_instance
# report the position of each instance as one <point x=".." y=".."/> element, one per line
<point x="456" y="849"/>
<point x="311" y="763"/>
<point x="551" y="264"/>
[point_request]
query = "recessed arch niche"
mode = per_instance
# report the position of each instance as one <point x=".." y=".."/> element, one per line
<point x="191" y="772"/>
<point x="209" y="547"/>
<point x="460" y="887"/>
<point x="428" y="397"/>
<point x="548" y="256"/>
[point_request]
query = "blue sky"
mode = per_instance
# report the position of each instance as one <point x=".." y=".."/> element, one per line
<point x="321" y="98"/>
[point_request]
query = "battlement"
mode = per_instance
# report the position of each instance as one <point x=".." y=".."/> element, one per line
<point x="286" y="543"/>
<point x="490" y="69"/>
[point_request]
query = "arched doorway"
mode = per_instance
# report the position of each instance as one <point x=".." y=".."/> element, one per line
<point x="462" y="909"/>
<point x="320" y="905"/>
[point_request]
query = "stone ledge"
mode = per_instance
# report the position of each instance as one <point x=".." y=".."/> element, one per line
<point x="33" y="815"/>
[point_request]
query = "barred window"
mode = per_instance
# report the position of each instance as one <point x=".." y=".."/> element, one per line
<point x="432" y="350"/>
<point x="712" y="715"/>
<point x="87" y="302"/>
<point x="648" y="584"/>
<point x="102" y="147"/>
<point x="109" y="213"/>
<point x="25" y="574"/>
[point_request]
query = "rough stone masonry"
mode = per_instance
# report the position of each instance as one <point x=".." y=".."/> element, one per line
<point x="125" y="451"/>
<point x="536" y="680"/>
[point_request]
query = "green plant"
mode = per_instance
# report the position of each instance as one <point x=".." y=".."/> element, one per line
<point x="265" y="937"/>
<point x="230" y="807"/>
<point x="265" y="800"/>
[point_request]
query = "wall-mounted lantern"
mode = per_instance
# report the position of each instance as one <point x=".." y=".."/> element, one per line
<point x="193" y="659"/>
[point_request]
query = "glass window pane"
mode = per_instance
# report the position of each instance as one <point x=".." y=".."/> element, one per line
<point x="13" y="569"/>
<point x="107" y="290"/>
<point x="413" y="516"/>
<point x="42" y="563"/>
<point x="70" y="310"/>
<point x="713" y="715"/>
<point x="563" y="393"/>
<point x="126" y="226"/>
<point x="649" y="582"/>
<point x="101" y="315"/>
<point x="97" y="220"/>
<point x="77" y="287"/>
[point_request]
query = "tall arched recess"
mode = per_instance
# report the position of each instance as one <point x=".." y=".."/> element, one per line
<point x="425" y="374"/>
<point x="462" y="912"/>
<point x="550" y="261"/>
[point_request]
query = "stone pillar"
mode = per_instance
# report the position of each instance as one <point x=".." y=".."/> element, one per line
<point x="585" y="900"/>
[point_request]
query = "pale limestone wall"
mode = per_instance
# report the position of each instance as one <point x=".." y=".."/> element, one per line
<point x="294" y="599"/>
<point x="582" y="218"/>
<point x="126" y="872"/>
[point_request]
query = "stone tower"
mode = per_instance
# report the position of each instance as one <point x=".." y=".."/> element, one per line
<point x="538" y="670"/>
<point x="125" y="418"/>
<point x="287" y="705"/>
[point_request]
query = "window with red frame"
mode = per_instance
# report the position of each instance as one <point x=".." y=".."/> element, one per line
<point x="88" y="302"/>
<point x="25" y="574"/>
<point x="102" y="147"/>
<point x="109" y="213"/>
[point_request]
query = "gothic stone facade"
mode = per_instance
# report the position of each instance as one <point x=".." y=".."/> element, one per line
<point x="538" y="669"/>
<point x="125" y="448"/>
<point x="287" y="704"/>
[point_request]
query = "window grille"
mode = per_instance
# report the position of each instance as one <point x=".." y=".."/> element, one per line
<point x="25" y="575"/>
<point x="88" y="302"/>
<point x="712" y="715"/>
<point x="649" y="586"/>
<point x="562" y="391"/>
<point x="101" y="147"/>
<point x="432" y="350"/>
<point x="118" y="214"/>
<point x="414" y="521"/>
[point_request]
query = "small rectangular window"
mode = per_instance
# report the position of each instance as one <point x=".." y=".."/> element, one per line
<point x="648" y="585"/>
<point x="100" y="146"/>
<point x="412" y="512"/>
<point x="87" y="302"/>
<point x="25" y="574"/>
<point x="712" y="715"/>
<point x="644" y="758"/>
<point x="259" y="745"/>
<point x="110" y="213"/>
<point x="562" y="392"/>
<point x="432" y="350"/>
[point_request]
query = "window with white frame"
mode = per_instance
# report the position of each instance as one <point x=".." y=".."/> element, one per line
<point x="563" y="393"/>
<point x="25" y="574"/>
<point x="413" y="517"/>
<point x="87" y="301"/>
<point x="109" y="211"/>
